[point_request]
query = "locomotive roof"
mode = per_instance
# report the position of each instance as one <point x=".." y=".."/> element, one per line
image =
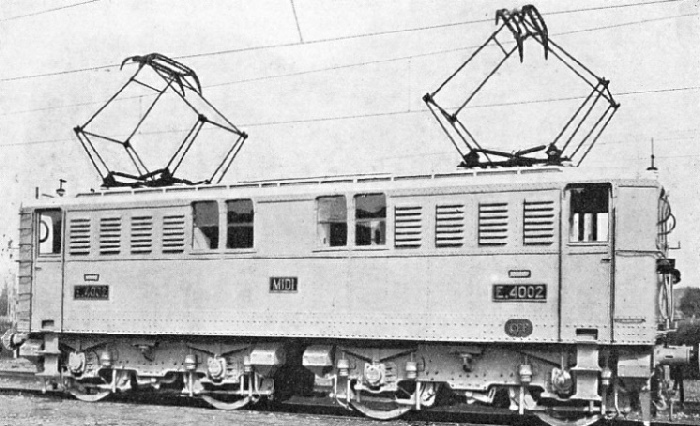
<point x="545" y="176"/>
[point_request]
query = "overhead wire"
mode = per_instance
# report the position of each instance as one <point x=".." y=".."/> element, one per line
<point x="612" y="6"/>
<point x="346" y="66"/>
<point x="358" y="116"/>
<point x="296" y="21"/>
<point x="471" y="22"/>
<point x="329" y="40"/>
<point x="45" y="11"/>
<point x="387" y="113"/>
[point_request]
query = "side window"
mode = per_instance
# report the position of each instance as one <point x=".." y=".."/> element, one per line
<point x="332" y="221"/>
<point x="589" y="213"/>
<point x="240" y="224"/>
<point x="370" y="219"/>
<point x="49" y="232"/>
<point x="205" y="216"/>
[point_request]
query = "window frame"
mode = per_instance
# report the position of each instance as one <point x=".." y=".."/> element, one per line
<point x="37" y="236"/>
<point x="388" y="242"/>
<point x="569" y="218"/>
<point x="193" y="244"/>
<point x="228" y="225"/>
<point x="347" y="222"/>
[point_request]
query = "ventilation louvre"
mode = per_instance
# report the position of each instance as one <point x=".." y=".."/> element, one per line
<point x="23" y="307"/>
<point x="449" y="225"/>
<point x="538" y="222"/>
<point x="141" y="234"/>
<point x="493" y="223"/>
<point x="408" y="226"/>
<point x="79" y="234"/>
<point x="174" y="233"/>
<point x="110" y="235"/>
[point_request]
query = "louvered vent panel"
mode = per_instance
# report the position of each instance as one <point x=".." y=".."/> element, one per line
<point x="174" y="233"/>
<point x="449" y="225"/>
<point x="110" y="235"/>
<point x="408" y="226"/>
<point x="493" y="223"/>
<point x="79" y="232"/>
<point x="23" y="305"/>
<point x="538" y="222"/>
<point x="141" y="234"/>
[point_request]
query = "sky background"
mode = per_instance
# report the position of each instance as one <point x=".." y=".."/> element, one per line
<point x="335" y="87"/>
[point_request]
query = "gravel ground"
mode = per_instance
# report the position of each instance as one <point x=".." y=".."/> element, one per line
<point x="34" y="410"/>
<point x="54" y="408"/>
<point x="692" y="390"/>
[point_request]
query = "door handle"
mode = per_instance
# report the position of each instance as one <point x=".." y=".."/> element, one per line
<point x="37" y="268"/>
<point x="604" y="260"/>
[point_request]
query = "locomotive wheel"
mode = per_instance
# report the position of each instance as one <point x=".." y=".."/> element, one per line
<point x="85" y="392"/>
<point x="560" y="419"/>
<point x="381" y="410"/>
<point x="225" y="403"/>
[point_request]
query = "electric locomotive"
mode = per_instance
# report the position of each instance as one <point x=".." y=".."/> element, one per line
<point x="534" y="289"/>
<point x="518" y="284"/>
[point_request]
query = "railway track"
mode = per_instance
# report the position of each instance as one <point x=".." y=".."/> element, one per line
<point x="24" y="383"/>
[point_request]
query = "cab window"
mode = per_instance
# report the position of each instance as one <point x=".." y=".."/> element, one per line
<point x="589" y="213"/>
<point x="370" y="219"/>
<point x="332" y="221"/>
<point x="240" y="224"/>
<point x="205" y="225"/>
<point x="49" y="232"/>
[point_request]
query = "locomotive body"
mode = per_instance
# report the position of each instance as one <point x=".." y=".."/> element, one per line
<point x="540" y="285"/>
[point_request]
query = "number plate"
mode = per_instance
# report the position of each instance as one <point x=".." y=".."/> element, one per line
<point x="91" y="292"/>
<point x="519" y="293"/>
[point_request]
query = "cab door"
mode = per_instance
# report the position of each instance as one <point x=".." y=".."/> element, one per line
<point x="586" y="263"/>
<point x="636" y="277"/>
<point x="47" y="300"/>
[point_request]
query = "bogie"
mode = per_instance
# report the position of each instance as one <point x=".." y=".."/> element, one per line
<point x="382" y="380"/>
<point x="226" y="373"/>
